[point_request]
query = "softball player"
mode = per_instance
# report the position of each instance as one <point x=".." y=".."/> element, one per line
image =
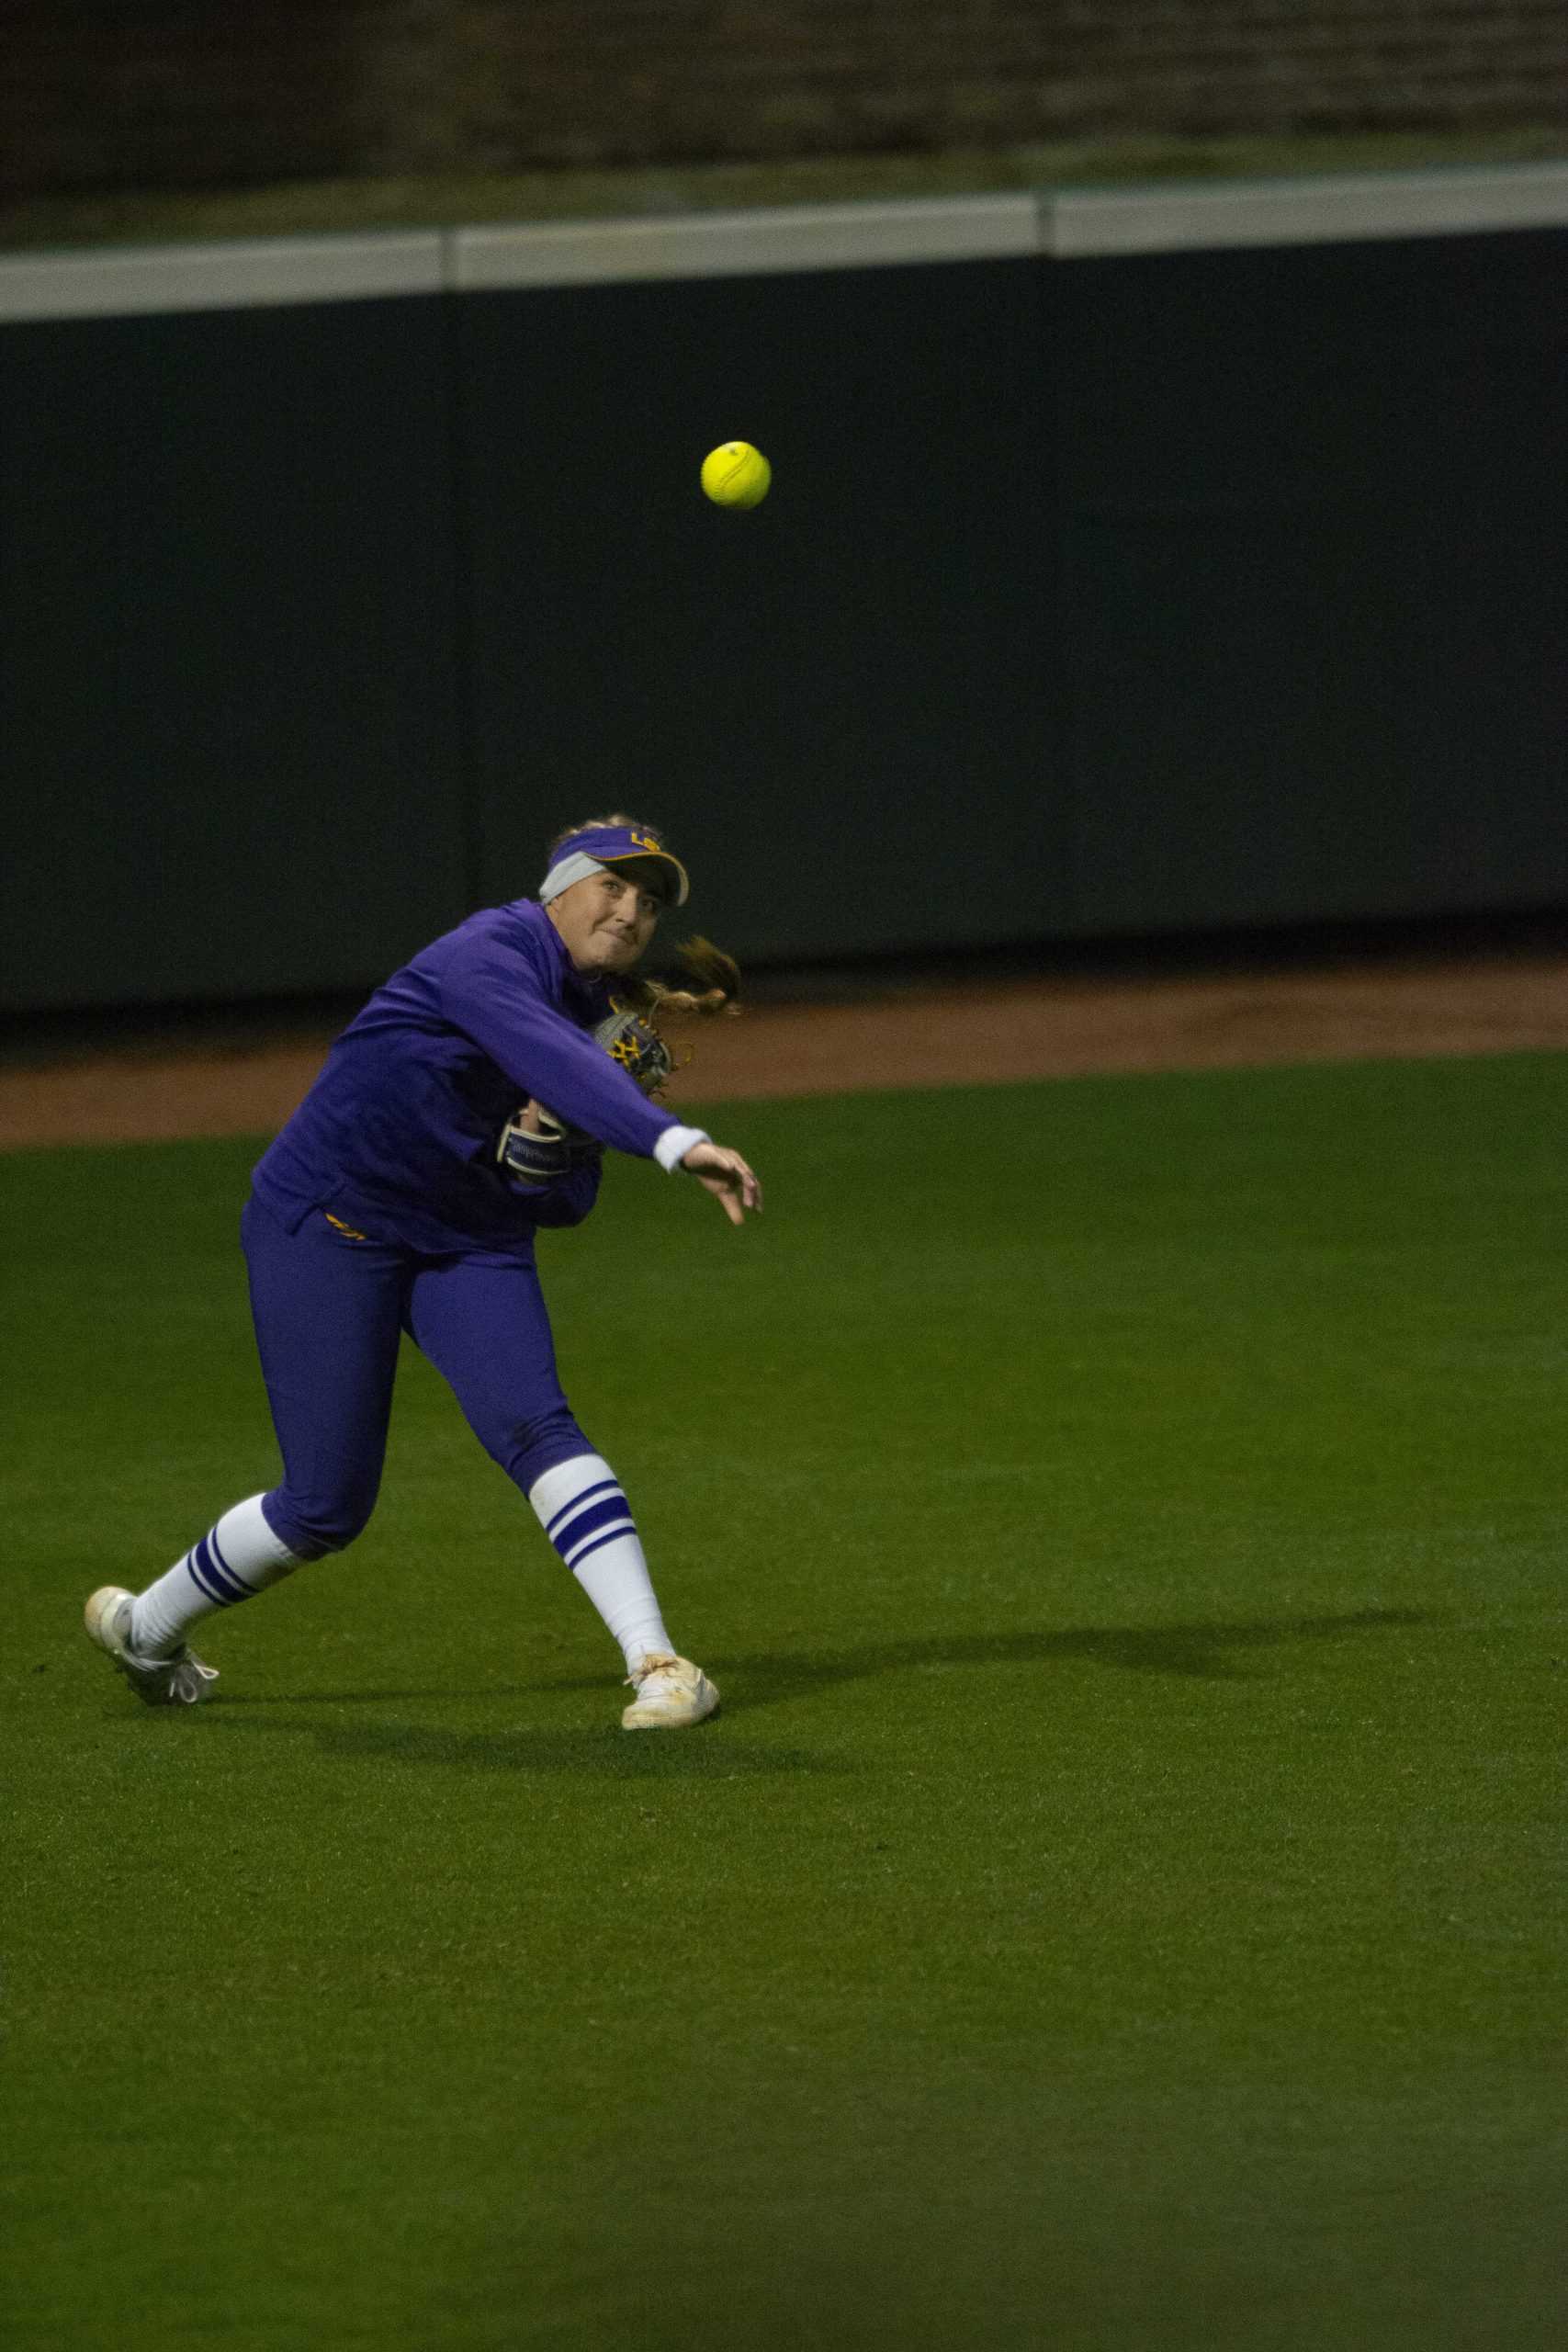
<point x="403" y="1195"/>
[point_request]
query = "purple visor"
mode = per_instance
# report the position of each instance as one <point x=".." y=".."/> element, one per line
<point x="608" y="846"/>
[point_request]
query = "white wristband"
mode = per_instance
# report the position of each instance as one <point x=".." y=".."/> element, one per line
<point x="675" y="1143"/>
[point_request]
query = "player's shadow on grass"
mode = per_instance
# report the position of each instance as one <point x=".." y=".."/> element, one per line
<point x="604" y="1750"/>
<point x="1215" y="1653"/>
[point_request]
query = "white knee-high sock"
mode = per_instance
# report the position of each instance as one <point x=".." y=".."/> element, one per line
<point x="582" y="1511"/>
<point x="237" y="1558"/>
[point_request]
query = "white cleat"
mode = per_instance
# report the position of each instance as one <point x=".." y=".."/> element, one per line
<point x="178" y="1681"/>
<point x="670" y="1692"/>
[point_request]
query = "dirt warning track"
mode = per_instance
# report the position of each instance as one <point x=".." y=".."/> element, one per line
<point x="918" y="1034"/>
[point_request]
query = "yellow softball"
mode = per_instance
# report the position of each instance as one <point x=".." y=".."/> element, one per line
<point x="736" y="475"/>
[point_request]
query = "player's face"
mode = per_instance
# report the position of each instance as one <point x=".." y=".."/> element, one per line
<point x="607" y="920"/>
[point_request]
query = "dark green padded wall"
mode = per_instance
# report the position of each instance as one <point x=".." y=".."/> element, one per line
<point x="1101" y="596"/>
<point x="229" y="730"/>
<point x="841" y="702"/>
<point x="1314" y="585"/>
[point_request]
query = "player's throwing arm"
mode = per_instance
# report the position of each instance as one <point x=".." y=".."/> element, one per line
<point x="725" y="1175"/>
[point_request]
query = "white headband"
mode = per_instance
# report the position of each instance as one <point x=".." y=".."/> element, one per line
<point x="575" y="868"/>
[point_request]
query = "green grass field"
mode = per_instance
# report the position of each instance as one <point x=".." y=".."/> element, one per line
<point x="1120" y="1906"/>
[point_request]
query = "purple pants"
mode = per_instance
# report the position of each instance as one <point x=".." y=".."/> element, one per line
<point x="329" y="1312"/>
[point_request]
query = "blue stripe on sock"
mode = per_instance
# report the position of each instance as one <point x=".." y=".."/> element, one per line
<point x="197" y="1575"/>
<point x="243" y="1590"/>
<point x="576" y="1503"/>
<point x="625" y="1525"/>
<point x="213" y="1561"/>
<point x="611" y="1535"/>
<point x="590" y="1521"/>
<point x="212" y="1579"/>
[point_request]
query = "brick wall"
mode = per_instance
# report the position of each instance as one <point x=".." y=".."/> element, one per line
<point x="147" y="93"/>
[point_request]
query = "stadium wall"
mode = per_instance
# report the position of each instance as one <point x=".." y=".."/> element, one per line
<point x="114" y="95"/>
<point x="1136" y="562"/>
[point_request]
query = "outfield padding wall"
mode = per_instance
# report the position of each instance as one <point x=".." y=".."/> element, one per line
<point x="1111" y="583"/>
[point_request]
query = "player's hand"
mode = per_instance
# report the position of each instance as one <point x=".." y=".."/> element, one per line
<point x="725" y="1175"/>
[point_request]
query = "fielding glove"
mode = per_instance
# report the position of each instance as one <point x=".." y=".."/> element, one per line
<point x="633" y="1042"/>
<point x="545" y="1153"/>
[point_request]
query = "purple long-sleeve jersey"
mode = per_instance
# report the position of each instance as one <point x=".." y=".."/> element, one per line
<point x="397" y="1135"/>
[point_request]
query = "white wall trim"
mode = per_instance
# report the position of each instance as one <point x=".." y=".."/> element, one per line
<point x="1078" y="223"/>
<point x="1065" y="224"/>
<point x="731" y="245"/>
<point x="109" y="282"/>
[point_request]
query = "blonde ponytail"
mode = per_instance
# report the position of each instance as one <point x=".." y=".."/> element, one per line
<point x="717" y="974"/>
